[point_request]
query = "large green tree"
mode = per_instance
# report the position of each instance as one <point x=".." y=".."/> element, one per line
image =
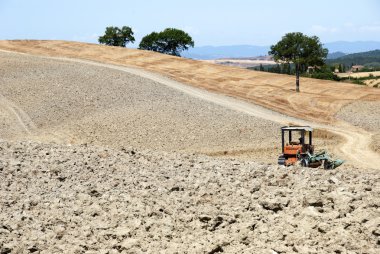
<point x="171" y="41"/>
<point x="115" y="36"/>
<point x="150" y="42"/>
<point x="301" y="50"/>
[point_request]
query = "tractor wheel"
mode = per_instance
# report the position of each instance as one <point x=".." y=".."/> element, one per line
<point x="281" y="160"/>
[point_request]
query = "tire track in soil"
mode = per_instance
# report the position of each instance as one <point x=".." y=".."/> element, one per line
<point x="22" y="119"/>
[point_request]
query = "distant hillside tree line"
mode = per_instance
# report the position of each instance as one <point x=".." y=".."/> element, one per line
<point x="369" y="59"/>
<point x="170" y="41"/>
<point x="320" y="72"/>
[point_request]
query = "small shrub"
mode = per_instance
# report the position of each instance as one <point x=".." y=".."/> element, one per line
<point x="358" y="82"/>
<point x="325" y="75"/>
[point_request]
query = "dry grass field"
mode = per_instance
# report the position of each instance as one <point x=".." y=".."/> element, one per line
<point x="372" y="82"/>
<point x="359" y="74"/>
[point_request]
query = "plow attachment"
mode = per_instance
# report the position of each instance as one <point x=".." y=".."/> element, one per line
<point x="318" y="159"/>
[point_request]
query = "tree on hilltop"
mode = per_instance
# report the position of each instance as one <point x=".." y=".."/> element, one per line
<point x="301" y="50"/>
<point x="115" y="36"/>
<point x="171" y="41"/>
<point x="150" y="42"/>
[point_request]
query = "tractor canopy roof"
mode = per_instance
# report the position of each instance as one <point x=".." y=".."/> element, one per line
<point x="297" y="128"/>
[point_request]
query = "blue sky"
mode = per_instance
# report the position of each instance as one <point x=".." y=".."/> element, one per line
<point x="209" y="22"/>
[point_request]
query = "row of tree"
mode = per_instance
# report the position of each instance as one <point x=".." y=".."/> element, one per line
<point x="285" y="68"/>
<point x="170" y="41"/>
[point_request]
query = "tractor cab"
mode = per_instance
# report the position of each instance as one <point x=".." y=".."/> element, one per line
<point x="297" y="143"/>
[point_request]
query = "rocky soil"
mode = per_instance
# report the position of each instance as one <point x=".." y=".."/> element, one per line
<point x="88" y="199"/>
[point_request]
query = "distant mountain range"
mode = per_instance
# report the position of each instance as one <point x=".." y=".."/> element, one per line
<point x="352" y="47"/>
<point x="336" y="49"/>
<point x="217" y="52"/>
<point x="335" y="55"/>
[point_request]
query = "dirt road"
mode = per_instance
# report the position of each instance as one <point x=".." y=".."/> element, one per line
<point x="356" y="146"/>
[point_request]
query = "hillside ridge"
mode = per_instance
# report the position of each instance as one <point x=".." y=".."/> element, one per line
<point x="319" y="100"/>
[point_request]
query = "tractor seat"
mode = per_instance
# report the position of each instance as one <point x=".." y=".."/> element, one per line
<point x="294" y="143"/>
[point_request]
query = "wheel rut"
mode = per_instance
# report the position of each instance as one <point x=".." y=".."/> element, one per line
<point x="20" y="118"/>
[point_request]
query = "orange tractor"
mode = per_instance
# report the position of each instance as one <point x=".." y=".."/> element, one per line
<point x="301" y="149"/>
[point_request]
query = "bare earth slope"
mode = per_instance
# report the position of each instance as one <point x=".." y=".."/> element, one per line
<point x="69" y="102"/>
<point x="319" y="100"/>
